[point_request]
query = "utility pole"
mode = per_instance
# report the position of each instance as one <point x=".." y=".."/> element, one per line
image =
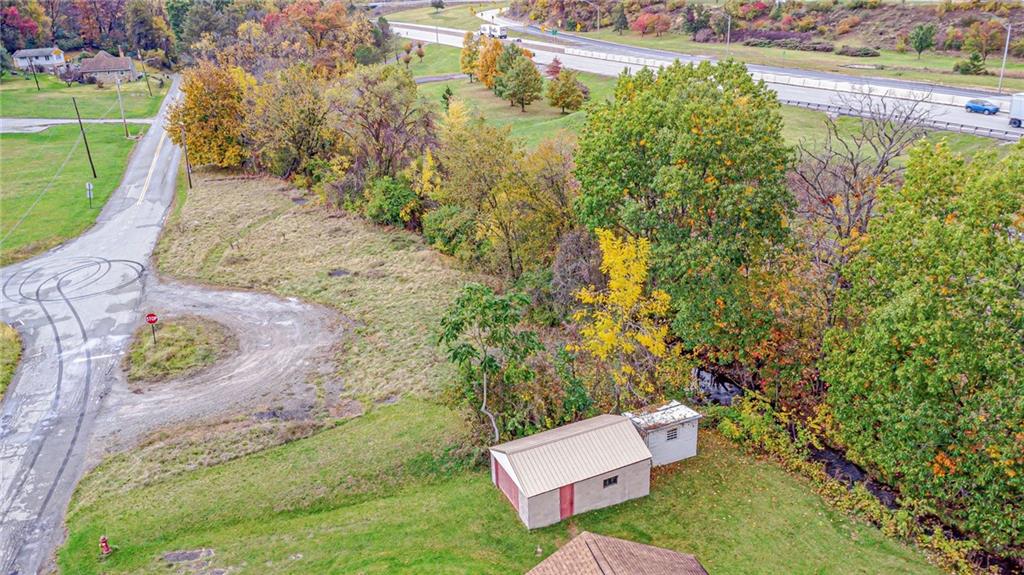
<point x="142" y="64"/>
<point x="121" y="105"/>
<point x="84" y="139"/>
<point x="188" y="164"/>
<point x="34" y="76"/>
<point x="1006" y="49"/>
<point x="728" y="32"/>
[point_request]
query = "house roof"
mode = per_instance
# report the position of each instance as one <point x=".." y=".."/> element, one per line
<point x="36" y="52"/>
<point x="672" y="413"/>
<point x="574" y="452"/>
<point x="104" y="62"/>
<point x="589" y="554"/>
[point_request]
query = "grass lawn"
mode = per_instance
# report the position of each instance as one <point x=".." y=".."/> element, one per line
<point x="460" y="16"/>
<point x="185" y="344"/>
<point x="931" y="68"/>
<point x="10" y="353"/>
<point x="538" y="122"/>
<point x="19" y="98"/>
<point x="381" y="494"/>
<point x="438" y="60"/>
<point x="43" y="184"/>
<point x="247" y="232"/>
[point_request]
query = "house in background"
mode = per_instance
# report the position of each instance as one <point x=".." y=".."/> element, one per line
<point x="589" y="554"/>
<point x="106" y="68"/>
<point x="50" y="59"/>
<point x="669" y="431"/>
<point x="552" y="475"/>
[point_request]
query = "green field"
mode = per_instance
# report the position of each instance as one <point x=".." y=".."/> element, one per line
<point x="438" y="60"/>
<point x="43" y="184"/>
<point x="460" y="16"/>
<point x="538" y="122"/>
<point x="932" y="68"/>
<point x="384" y="493"/>
<point x="20" y="99"/>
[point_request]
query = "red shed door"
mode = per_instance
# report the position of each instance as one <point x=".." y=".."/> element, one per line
<point x="566" y="494"/>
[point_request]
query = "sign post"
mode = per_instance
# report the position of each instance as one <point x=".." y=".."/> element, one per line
<point x="151" y="319"/>
<point x="88" y="193"/>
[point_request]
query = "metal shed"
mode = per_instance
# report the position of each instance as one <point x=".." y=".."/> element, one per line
<point x="575" y="468"/>
<point x="669" y="431"/>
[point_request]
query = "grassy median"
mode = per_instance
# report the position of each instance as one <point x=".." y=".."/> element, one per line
<point x="183" y="346"/>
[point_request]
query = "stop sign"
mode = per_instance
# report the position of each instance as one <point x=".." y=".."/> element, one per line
<point x="151" y="318"/>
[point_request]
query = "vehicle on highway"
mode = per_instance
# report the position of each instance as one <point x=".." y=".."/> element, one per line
<point x="494" y="31"/>
<point x="1017" y="110"/>
<point x="981" y="107"/>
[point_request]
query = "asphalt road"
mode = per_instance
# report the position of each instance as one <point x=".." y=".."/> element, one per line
<point x="545" y="51"/>
<point x="76" y="308"/>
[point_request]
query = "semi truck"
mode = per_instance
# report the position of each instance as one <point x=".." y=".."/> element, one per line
<point x="1017" y="110"/>
<point x="494" y="31"/>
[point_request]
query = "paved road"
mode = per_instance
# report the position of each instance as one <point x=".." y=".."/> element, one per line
<point x="76" y="308"/>
<point x="545" y="51"/>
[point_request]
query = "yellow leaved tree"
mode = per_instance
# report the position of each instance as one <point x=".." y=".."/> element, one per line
<point x="211" y="113"/>
<point x="622" y="327"/>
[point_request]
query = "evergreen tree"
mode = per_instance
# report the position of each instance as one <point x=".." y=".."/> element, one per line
<point x="620" y="22"/>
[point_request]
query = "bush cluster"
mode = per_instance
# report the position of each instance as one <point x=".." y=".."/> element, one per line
<point x="858" y="52"/>
<point x="791" y="44"/>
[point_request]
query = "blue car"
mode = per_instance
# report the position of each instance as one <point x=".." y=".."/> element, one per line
<point x="982" y="107"/>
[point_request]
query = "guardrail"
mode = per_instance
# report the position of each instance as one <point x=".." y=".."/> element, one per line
<point x="936" y="124"/>
<point x="805" y="82"/>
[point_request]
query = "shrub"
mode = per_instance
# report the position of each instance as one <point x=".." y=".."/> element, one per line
<point x="386" y="200"/>
<point x="807" y="23"/>
<point x="901" y="43"/>
<point x="972" y="66"/>
<point x="953" y="39"/>
<point x="846" y="24"/>
<point x="450" y="229"/>
<point x="858" y="52"/>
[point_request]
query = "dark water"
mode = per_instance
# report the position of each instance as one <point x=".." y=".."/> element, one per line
<point x="716" y="388"/>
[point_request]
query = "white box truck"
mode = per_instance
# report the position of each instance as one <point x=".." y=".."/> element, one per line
<point x="1017" y="110"/>
<point x="493" y="30"/>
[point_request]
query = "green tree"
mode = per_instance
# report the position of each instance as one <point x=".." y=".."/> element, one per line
<point x="479" y="334"/>
<point x="507" y="60"/>
<point x="619" y="20"/>
<point x="524" y="83"/>
<point x="564" y="92"/>
<point x="469" y="55"/>
<point x="974" y="65"/>
<point x="922" y="38"/>
<point x="926" y="374"/>
<point x="693" y="160"/>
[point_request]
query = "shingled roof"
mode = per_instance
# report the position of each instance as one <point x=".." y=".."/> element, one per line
<point x="589" y="554"/>
<point x="104" y="62"/>
<point x="36" y="52"/>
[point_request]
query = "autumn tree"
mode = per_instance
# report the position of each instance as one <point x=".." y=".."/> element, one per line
<point x="524" y="83"/>
<point x="480" y="335"/>
<point x="564" y="92"/>
<point x="287" y="124"/>
<point x="384" y="122"/>
<point x="331" y="34"/>
<point x="623" y="328"/>
<point x="486" y="65"/>
<point x="692" y="160"/>
<point x="926" y="371"/>
<point x="554" y="68"/>
<point x="469" y="55"/>
<point x="211" y="114"/>
<point x="985" y="38"/>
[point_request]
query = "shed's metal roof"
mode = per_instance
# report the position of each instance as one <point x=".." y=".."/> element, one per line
<point x="36" y="52"/>
<point x="574" y="452"/>
<point x="671" y="413"/>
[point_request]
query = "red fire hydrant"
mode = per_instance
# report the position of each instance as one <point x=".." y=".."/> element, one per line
<point x="104" y="546"/>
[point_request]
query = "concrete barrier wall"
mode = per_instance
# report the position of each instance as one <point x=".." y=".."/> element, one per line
<point x="813" y="83"/>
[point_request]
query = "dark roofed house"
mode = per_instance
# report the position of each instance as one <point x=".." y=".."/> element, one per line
<point x="589" y="554"/>
<point x="107" y="68"/>
<point x="49" y="59"/>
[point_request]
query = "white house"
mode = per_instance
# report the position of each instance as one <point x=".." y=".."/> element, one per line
<point x="552" y="475"/>
<point x="669" y="431"/>
<point x="49" y="59"/>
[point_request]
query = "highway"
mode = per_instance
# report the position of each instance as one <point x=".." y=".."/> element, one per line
<point x="818" y="89"/>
